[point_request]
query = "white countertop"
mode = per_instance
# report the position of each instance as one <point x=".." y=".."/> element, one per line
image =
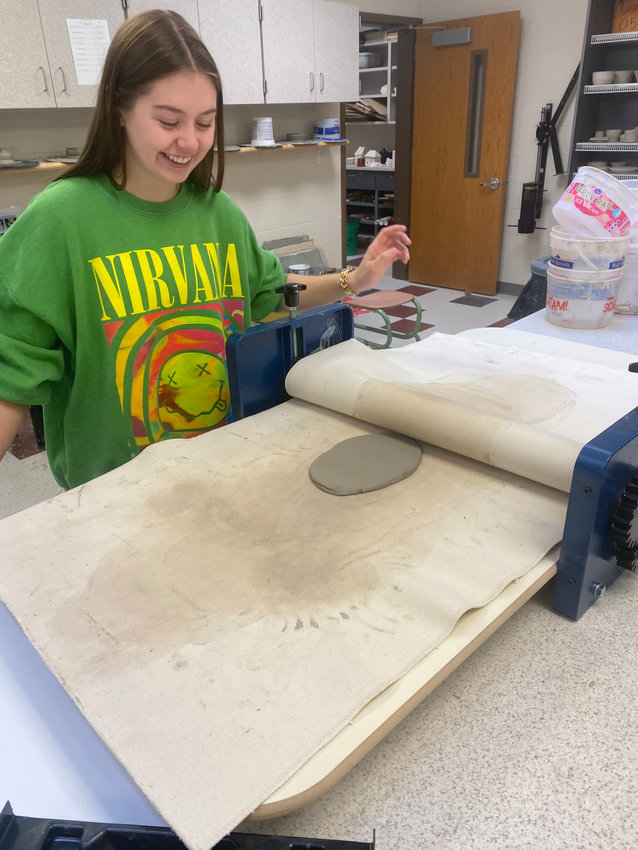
<point x="620" y="335"/>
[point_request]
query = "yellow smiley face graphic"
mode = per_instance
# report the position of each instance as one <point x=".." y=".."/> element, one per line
<point x="193" y="392"/>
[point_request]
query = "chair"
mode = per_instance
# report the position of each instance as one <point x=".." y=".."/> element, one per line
<point x="379" y="302"/>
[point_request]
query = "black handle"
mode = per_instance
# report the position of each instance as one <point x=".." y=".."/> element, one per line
<point x="291" y="293"/>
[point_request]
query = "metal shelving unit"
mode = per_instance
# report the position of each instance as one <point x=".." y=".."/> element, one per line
<point x="601" y="107"/>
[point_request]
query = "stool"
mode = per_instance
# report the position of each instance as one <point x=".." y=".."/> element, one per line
<point x="379" y="302"/>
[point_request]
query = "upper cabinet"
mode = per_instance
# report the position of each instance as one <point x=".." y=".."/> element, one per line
<point x="63" y="76"/>
<point x="26" y="78"/>
<point x="273" y="51"/>
<point x="336" y="50"/>
<point x="230" y="30"/>
<point x="186" y="8"/>
<point x="310" y="51"/>
<point x="36" y="51"/>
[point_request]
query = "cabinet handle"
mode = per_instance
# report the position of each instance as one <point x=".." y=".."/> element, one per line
<point x="312" y="81"/>
<point x="60" y="69"/>
<point x="44" y="79"/>
<point x="321" y="82"/>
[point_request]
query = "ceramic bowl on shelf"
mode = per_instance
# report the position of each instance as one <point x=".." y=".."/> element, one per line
<point x="623" y="77"/>
<point x="603" y="78"/>
<point x="369" y="60"/>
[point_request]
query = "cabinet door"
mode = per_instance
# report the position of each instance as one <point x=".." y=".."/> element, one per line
<point x="54" y="15"/>
<point x="336" y="27"/>
<point x="230" y="30"/>
<point x="288" y="42"/>
<point x="186" y="8"/>
<point x="25" y="79"/>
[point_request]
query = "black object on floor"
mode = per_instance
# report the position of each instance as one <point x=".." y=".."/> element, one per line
<point x="25" y="833"/>
<point x="534" y="295"/>
<point x="473" y="300"/>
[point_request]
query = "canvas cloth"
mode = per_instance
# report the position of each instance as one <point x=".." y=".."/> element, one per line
<point x="218" y="618"/>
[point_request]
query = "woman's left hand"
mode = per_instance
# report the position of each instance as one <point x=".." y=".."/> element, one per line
<point x="389" y="245"/>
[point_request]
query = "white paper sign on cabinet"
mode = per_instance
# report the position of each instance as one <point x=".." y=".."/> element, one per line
<point x="90" y="40"/>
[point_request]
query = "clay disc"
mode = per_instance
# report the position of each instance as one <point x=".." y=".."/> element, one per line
<point x="365" y="463"/>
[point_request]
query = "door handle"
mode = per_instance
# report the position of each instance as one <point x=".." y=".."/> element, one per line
<point x="493" y="183"/>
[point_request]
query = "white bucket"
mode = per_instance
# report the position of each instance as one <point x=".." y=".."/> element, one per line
<point x="596" y="204"/>
<point x="588" y="253"/>
<point x="627" y="299"/>
<point x="262" y="132"/>
<point x="632" y="185"/>
<point x="327" y="130"/>
<point x="581" y="299"/>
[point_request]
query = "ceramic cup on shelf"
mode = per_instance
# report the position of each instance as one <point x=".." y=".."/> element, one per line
<point x="623" y="76"/>
<point x="602" y="78"/>
<point x="613" y="135"/>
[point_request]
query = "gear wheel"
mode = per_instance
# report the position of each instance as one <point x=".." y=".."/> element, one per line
<point x="624" y="527"/>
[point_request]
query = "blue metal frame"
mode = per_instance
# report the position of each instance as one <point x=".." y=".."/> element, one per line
<point x="587" y="563"/>
<point x="259" y="358"/>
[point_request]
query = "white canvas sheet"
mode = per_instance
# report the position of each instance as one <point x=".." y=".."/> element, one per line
<point x="218" y="618"/>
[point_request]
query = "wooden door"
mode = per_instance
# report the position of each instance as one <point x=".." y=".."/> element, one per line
<point x="463" y="102"/>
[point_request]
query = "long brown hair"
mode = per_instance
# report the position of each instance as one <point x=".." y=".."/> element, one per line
<point x="145" y="48"/>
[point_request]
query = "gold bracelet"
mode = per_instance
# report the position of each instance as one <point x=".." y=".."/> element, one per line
<point x="343" y="282"/>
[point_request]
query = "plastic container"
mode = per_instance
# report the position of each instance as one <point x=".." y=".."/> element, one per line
<point x="627" y="298"/>
<point x="596" y="204"/>
<point x="262" y="132"/>
<point x="568" y="251"/>
<point x="581" y="299"/>
<point x="632" y="185"/>
<point x="328" y="130"/>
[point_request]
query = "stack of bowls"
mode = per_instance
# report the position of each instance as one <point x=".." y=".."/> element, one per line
<point x="588" y="249"/>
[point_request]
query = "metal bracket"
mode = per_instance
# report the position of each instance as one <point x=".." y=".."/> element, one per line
<point x="587" y="565"/>
<point x="259" y="358"/>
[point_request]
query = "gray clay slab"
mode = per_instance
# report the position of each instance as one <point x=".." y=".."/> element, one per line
<point x="365" y="463"/>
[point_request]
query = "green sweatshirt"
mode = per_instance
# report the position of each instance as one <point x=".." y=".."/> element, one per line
<point x="114" y="314"/>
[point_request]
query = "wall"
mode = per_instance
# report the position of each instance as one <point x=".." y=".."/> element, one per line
<point x="301" y="194"/>
<point x="282" y="192"/>
<point x="551" y="43"/>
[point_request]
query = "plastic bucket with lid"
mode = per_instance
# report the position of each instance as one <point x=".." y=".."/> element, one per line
<point x="627" y="299"/>
<point x="581" y="299"/>
<point x="632" y="185"/>
<point x="596" y="204"/>
<point x="588" y="253"/>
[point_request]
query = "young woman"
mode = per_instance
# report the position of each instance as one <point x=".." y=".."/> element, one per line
<point x="121" y="281"/>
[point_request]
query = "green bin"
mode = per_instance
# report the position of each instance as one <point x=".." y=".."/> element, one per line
<point x="352" y="229"/>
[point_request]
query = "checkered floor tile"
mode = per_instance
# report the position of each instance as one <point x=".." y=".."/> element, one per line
<point x="443" y="310"/>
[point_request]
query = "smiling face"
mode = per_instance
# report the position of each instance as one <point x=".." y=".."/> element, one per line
<point x="169" y="130"/>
